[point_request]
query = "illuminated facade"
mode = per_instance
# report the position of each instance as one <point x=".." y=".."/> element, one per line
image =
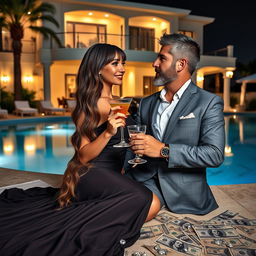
<point x="134" y="27"/>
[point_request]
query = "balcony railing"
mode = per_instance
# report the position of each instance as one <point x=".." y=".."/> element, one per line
<point x="87" y="39"/>
<point x="28" y="46"/>
<point x="219" y="52"/>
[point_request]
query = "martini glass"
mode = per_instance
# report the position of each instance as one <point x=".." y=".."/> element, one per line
<point x="135" y="129"/>
<point x="124" y="104"/>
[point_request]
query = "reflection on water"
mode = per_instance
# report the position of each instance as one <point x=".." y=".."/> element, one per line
<point x="43" y="147"/>
<point x="46" y="148"/>
<point x="240" y="149"/>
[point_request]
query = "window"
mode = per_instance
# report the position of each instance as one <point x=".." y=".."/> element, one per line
<point x="70" y="85"/>
<point x="83" y="35"/>
<point x="142" y="38"/>
<point x="186" y="33"/>
<point x="148" y="87"/>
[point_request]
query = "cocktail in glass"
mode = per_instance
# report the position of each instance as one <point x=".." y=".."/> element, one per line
<point x="136" y="129"/>
<point x="124" y="104"/>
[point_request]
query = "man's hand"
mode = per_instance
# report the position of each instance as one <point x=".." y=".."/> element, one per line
<point x="147" y="145"/>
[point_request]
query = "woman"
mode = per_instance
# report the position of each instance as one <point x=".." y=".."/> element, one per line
<point x="98" y="211"/>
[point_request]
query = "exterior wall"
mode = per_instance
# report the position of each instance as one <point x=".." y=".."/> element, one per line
<point x="196" y="28"/>
<point x="58" y="71"/>
<point x="133" y="79"/>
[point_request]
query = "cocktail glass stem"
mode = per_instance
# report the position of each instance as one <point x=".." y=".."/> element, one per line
<point x="122" y="134"/>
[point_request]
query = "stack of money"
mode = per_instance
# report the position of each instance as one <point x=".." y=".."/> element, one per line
<point x="227" y="234"/>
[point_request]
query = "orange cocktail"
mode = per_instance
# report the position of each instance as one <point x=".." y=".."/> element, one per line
<point x="124" y="104"/>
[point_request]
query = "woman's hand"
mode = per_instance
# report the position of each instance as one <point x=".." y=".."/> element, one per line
<point x="115" y="120"/>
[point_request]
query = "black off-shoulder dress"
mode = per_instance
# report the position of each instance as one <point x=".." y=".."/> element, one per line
<point x="106" y="216"/>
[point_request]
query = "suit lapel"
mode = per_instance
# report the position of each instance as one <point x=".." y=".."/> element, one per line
<point x="185" y="102"/>
<point x="153" y="109"/>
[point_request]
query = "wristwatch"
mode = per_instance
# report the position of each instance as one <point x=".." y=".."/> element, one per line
<point x="164" y="152"/>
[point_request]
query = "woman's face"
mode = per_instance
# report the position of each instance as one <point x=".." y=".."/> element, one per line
<point x="113" y="72"/>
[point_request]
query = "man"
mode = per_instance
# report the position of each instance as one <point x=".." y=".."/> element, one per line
<point x="185" y="131"/>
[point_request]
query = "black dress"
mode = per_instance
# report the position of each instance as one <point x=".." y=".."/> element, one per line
<point x="106" y="216"/>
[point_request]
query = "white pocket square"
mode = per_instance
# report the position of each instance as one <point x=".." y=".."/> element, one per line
<point x="191" y="115"/>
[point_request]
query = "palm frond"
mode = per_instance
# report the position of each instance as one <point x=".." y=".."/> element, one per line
<point x="42" y="8"/>
<point x="46" y="32"/>
<point x="44" y="17"/>
<point x="3" y="22"/>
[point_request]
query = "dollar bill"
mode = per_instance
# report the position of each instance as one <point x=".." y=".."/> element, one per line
<point x="232" y="222"/>
<point x="183" y="224"/>
<point x="165" y="217"/>
<point x="226" y="242"/>
<point x="179" y="245"/>
<point x="177" y="232"/>
<point x="249" y="230"/>
<point x="226" y="215"/>
<point x="204" y="232"/>
<point x="152" y="231"/>
<point x="243" y="252"/>
<point x="243" y="222"/>
<point x="248" y="242"/>
<point x="217" y="251"/>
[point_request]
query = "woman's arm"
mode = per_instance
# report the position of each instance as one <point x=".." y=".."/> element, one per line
<point x="91" y="149"/>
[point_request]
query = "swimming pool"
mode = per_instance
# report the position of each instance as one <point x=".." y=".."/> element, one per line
<point x="45" y="147"/>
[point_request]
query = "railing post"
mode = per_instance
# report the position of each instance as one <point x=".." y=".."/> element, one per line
<point x="126" y="33"/>
<point x="230" y="50"/>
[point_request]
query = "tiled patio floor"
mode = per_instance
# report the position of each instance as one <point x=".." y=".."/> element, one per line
<point x="237" y="198"/>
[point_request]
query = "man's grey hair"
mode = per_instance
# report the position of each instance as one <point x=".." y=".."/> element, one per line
<point x="182" y="47"/>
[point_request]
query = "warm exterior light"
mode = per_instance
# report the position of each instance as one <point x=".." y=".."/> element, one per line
<point x="5" y="79"/>
<point x="29" y="13"/>
<point x="200" y="78"/>
<point x="229" y="74"/>
<point x="154" y="19"/>
<point x="8" y="149"/>
<point x="28" y="79"/>
<point x="106" y="15"/>
<point x="228" y="151"/>
<point x="90" y="13"/>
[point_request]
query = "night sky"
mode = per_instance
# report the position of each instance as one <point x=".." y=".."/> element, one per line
<point x="234" y="24"/>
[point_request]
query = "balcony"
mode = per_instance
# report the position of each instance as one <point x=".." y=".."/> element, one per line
<point x="138" y="48"/>
<point x="28" y="46"/>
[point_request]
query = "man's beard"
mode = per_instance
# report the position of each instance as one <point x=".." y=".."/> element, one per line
<point x="163" y="78"/>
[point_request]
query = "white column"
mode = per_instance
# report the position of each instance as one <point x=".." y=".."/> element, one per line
<point x="228" y="149"/>
<point x="47" y="80"/>
<point x="226" y="93"/>
<point x="242" y="94"/>
<point x="127" y="35"/>
<point x="241" y="130"/>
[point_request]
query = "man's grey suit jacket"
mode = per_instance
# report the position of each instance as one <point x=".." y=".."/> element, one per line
<point x="196" y="136"/>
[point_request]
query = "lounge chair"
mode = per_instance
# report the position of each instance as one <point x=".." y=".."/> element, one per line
<point x="47" y="107"/>
<point x="71" y="104"/>
<point x="3" y="112"/>
<point x="22" y="107"/>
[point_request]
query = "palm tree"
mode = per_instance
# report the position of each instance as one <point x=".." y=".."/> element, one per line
<point x="246" y="69"/>
<point x="16" y="16"/>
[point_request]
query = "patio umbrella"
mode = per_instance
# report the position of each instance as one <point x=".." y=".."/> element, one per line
<point x="245" y="80"/>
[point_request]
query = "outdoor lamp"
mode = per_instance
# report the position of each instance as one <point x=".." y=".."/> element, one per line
<point x="229" y="74"/>
<point x="28" y="79"/>
<point x="200" y="78"/>
<point x="5" y="79"/>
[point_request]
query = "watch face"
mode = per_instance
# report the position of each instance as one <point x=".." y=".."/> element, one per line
<point x="165" y="151"/>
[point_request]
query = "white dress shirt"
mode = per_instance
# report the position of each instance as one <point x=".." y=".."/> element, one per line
<point x="166" y="108"/>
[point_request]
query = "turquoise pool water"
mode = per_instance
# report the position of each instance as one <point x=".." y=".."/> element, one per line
<point x="45" y="147"/>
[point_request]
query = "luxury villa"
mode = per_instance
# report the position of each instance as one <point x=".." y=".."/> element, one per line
<point x="136" y="28"/>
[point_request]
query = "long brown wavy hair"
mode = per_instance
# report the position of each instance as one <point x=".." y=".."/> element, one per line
<point x="86" y="115"/>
